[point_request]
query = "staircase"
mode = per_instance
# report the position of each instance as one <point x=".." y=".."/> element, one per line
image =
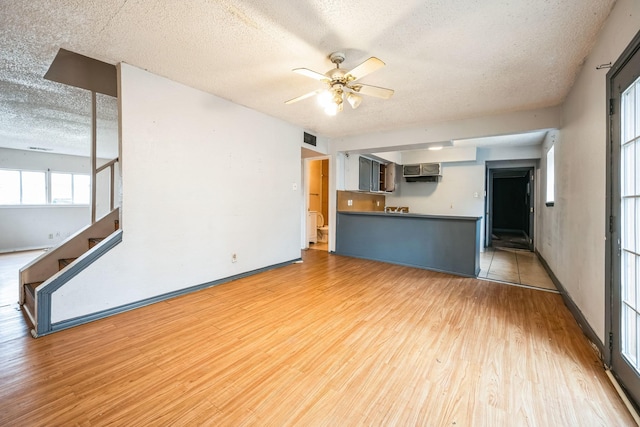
<point x="37" y="275"/>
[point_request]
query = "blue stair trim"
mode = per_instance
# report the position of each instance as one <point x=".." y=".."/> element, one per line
<point x="43" y="295"/>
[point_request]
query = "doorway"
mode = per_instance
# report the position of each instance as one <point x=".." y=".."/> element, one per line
<point x="318" y="203"/>
<point x="510" y="208"/>
<point x="623" y="199"/>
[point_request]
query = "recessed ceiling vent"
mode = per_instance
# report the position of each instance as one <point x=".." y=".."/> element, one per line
<point x="310" y="139"/>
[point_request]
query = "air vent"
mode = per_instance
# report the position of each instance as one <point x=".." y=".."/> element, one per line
<point x="309" y="139"/>
<point x="422" y="169"/>
<point x="422" y="172"/>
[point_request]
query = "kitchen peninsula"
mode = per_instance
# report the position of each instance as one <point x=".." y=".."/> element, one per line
<point x="435" y="242"/>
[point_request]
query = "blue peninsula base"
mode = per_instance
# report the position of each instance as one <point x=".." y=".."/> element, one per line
<point x="442" y="243"/>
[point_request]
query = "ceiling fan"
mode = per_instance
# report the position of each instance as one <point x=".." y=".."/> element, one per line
<point x="343" y="85"/>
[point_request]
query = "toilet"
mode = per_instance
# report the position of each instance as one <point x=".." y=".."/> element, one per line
<point x="323" y="230"/>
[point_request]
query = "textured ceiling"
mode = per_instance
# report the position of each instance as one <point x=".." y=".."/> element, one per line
<point x="446" y="59"/>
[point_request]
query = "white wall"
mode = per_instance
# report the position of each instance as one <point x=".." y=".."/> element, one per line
<point x="407" y="139"/>
<point x="550" y="225"/>
<point x="202" y="178"/>
<point x="574" y="229"/>
<point x="449" y="154"/>
<point x="454" y="194"/>
<point x="30" y="227"/>
<point x="38" y="227"/>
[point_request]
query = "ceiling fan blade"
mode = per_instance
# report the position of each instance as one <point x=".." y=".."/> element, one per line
<point x="305" y="96"/>
<point x="367" y="67"/>
<point x="378" y="92"/>
<point x="310" y="73"/>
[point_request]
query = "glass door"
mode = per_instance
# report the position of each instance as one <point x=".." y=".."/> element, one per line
<point x="625" y="221"/>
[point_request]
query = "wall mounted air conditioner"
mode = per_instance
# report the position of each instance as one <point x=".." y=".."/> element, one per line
<point x="429" y="172"/>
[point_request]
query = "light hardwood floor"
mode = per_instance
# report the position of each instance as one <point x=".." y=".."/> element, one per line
<point x="333" y="341"/>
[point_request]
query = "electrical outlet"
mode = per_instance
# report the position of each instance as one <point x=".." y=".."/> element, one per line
<point x="51" y="235"/>
<point x="377" y="203"/>
<point x="234" y="258"/>
<point x="349" y="202"/>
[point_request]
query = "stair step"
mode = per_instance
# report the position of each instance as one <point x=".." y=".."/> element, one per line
<point x="31" y="287"/>
<point x="30" y="297"/>
<point x="62" y="263"/>
<point x="94" y="241"/>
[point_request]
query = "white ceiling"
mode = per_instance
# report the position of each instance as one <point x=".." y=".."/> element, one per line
<point x="446" y="59"/>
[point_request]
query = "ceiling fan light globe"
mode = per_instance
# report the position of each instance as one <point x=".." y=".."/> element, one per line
<point x="354" y="100"/>
<point x="325" y="98"/>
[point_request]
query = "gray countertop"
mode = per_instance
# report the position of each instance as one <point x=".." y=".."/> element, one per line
<point x="412" y="215"/>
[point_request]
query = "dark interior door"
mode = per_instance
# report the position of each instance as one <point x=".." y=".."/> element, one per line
<point x="623" y="258"/>
<point x="511" y="212"/>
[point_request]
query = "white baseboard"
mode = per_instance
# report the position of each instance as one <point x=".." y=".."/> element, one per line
<point x="623" y="396"/>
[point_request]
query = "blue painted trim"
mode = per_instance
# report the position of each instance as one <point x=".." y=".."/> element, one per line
<point x="44" y="325"/>
<point x="69" y="323"/>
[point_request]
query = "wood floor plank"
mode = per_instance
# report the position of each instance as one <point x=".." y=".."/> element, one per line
<point x="331" y="341"/>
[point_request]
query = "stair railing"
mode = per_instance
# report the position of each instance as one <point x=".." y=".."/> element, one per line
<point x="111" y="165"/>
<point x="95" y="170"/>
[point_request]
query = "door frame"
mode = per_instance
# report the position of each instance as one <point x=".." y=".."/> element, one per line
<point x="611" y="223"/>
<point x="491" y="170"/>
<point x="305" y="198"/>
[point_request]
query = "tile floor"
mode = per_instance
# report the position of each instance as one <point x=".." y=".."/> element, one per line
<point x="517" y="266"/>
<point x="322" y="246"/>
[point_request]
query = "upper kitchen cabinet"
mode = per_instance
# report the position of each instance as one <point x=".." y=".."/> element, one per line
<point x="363" y="173"/>
<point x="387" y="177"/>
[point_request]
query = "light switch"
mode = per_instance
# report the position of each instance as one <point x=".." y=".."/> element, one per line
<point x="475" y="194"/>
<point x="295" y="186"/>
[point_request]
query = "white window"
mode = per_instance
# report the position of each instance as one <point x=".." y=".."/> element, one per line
<point x="9" y="187"/>
<point x="22" y="187"/>
<point x="551" y="182"/>
<point x="19" y="187"/>
<point x="34" y="188"/>
<point x="69" y="188"/>
<point x="81" y="189"/>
